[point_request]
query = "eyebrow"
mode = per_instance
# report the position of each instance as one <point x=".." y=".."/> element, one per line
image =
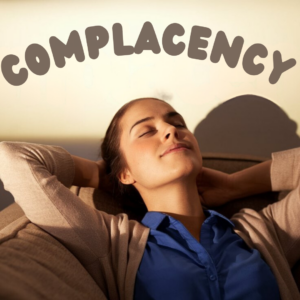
<point x="165" y="116"/>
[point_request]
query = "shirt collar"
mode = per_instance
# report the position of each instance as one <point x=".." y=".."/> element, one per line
<point x="153" y="219"/>
<point x="210" y="212"/>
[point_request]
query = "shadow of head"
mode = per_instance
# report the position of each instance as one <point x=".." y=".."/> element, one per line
<point x="247" y="124"/>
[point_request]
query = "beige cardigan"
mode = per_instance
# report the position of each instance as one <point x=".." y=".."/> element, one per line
<point x="111" y="247"/>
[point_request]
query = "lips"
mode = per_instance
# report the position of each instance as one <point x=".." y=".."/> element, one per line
<point x="175" y="146"/>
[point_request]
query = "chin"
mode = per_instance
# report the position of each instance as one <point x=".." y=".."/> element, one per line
<point x="186" y="169"/>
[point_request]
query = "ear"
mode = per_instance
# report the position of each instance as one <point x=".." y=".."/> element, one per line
<point x="125" y="177"/>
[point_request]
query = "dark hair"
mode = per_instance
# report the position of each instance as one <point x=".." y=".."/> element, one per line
<point x="112" y="155"/>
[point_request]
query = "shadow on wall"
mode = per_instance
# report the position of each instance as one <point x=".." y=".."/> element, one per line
<point x="247" y="124"/>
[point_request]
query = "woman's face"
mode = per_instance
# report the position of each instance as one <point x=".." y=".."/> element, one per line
<point x="148" y="129"/>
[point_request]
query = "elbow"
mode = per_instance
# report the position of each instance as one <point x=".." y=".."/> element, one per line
<point x="7" y="150"/>
<point x="9" y="154"/>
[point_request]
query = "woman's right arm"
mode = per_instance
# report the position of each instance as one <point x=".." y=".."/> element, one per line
<point x="86" y="172"/>
<point x="39" y="178"/>
<point x="92" y="174"/>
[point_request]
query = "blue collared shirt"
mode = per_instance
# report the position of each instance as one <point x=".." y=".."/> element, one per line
<point x="221" y="266"/>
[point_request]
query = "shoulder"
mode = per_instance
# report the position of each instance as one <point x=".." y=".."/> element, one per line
<point x="253" y="227"/>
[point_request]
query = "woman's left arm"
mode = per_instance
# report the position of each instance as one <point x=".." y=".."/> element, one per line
<point x="217" y="188"/>
<point x="284" y="215"/>
<point x="252" y="180"/>
<point x="282" y="173"/>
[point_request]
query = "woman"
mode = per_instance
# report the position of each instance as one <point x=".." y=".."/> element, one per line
<point x="180" y="251"/>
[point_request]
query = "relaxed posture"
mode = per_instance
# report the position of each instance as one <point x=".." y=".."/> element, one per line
<point x="179" y="250"/>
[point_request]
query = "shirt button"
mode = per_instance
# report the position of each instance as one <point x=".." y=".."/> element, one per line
<point x="212" y="277"/>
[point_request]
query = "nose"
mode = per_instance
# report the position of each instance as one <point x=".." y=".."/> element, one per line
<point x="171" y="131"/>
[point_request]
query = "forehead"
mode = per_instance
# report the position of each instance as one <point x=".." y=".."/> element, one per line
<point x="142" y="109"/>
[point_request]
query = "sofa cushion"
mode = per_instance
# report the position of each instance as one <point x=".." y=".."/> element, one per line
<point x="10" y="214"/>
<point x="34" y="265"/>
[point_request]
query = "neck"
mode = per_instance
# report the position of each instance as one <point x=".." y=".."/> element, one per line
<point x="179" y="200"/>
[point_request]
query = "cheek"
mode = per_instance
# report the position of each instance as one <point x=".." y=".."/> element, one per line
<point x="141" y="155"/>
<point x="197" y="148"/>
<point x="199" y="158"/>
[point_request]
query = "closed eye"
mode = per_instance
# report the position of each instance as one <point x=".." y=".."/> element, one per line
<point x="176" y="125"/>
<point x="146" y="133"/>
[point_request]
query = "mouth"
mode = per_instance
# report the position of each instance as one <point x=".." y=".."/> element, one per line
<point x="176" y="148"/>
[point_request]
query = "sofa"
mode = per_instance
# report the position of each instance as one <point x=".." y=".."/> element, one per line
<point x="35" y="265"/>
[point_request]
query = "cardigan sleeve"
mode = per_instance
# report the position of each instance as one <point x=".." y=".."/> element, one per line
<point x="39" y="178"/>
<point x="284" y="215"/>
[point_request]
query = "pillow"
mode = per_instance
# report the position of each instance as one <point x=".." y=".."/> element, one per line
<point x="34" y="265"/>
